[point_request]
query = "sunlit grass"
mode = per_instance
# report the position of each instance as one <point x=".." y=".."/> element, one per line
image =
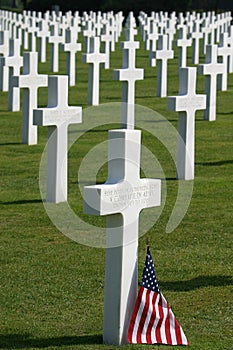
<point x="51" y="293"/>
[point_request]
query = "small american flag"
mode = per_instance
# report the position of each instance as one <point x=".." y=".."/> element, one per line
<point x="153" y="322"/>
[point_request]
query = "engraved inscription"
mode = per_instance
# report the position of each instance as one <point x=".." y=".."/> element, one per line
<point x="185" y="103"/>
<point x="130" y="196"/>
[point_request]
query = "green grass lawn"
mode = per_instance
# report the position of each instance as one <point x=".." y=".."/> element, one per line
<point x="51" y="288"/>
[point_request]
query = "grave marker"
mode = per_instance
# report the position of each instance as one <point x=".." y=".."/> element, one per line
<point x="4" y="51"/>
<point x="14" y="61"/>
<point x="57" y="116"/>
<point x="186" y="104"/>
<point x="29" y="81"/>
<point x="182" y="43"/>
<point x="43" y="35"/>
<point x="94" y="57"/>
<point x="107" y="38"/>
<point x="71" y="47"/>
<point x="121" y="198"/>
<point x="196" y="36"/>
<point x="225" y="52"/>
<point x="211" y="69"/>
<point x="128" y="75"/>
<point x="55" y="39"/>
<point x="162" y="55"/>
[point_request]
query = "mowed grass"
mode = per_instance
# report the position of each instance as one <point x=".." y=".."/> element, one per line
<point x="51" y="288"/>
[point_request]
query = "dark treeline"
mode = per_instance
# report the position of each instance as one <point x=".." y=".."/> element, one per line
<point x="130" y="5"/>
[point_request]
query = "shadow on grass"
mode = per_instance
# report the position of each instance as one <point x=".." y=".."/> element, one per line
<point x="11" y="143"/>
<point x="221" y="162"/>
<point x="196" y="283"/>
<point x="24" y="341"/>
<point x="23" y="201"/>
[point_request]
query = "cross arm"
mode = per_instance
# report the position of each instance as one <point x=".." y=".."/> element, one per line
<point x="52" y="116"/>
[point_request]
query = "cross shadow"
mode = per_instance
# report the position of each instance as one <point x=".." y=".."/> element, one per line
<point x="196" y="283"/>
<point x="24" y="341"/>
<point x="10" y="143"/>
<point x="225" y="113"/>
<point x="221" y="162"/>
<point x="23" y="201"/>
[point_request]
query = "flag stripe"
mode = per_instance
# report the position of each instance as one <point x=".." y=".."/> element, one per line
<point x="145" y="308"/>
<point x="131" y="332"/>
<point x="149" y="336"/>
<point x="153" y="321"/>
<point x="168" y="325"/>
<point x="148" y="316"/>
<point x="159" y="324"/>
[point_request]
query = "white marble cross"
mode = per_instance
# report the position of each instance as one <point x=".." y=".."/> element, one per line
<point x="211" y="69"/>
<point x="152" y="37"/>
<point x="55" y="39"/>
<point x="129" y="74"/>
<point x="88" y="33"/>
<point x="71" y="46"/>
<point x="186" y="104"/>
<point x="4" y="42"/>
<point x="14" y="61"/>
<point x="43" y="35"/>
<point x="230" y="43"/>
<point x="94" y="57"/>
<point x="106" y="39"/>
<point x="57" y="116"/>
<point x="206" y="32"/>
<point x="32" y="30"/>
<point x="225" y="52"/>
<point x="196" y="36"/>
<point x="162" y="56"/>
<point x="182" y="43"/>
<point x="10" y="65"/>
<point x="4" y="51"/>
<point x="30" y="81"/>
<point x="170" y="31"/>
<point x="121" y="198"/>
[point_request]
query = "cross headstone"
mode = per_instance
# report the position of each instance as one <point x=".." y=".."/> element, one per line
<point x="170" y="31"/>
<point x="129" y="74"/>
<point x="94" y="57"/>
<point x="4" y="51"/>
<point x="152" y="37"/>
<point x="88" y="33"/>
<point x="206" y="32"/>
<point x="43" y="35"/>
<point x="196" y="36"/>
<point x="71" y="47"/>
<point x="55" y="39"/>
<point x="14" y="61"/>
<point x="32" y="30"/>
<point x="25" y="26"/>
<point x="107" y="38"/>
<point x="4" y="42"/>
<point x="186" y="104"/>
<point x="29" y="81"/>
<point x="230" y="43"/>
<point x="211" y="69"/>
<point x="225" y="52"/>
<point x="182" y="43"/>
<point x="57" y="116"/>
<point x="121" y="198"/>
<point x="162" y="56"/>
